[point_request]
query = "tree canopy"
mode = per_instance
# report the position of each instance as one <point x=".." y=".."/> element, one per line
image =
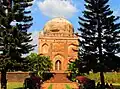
<point x="38" y="63"/>
<point x="99" y="39"/>
<point x="14" y="38"/>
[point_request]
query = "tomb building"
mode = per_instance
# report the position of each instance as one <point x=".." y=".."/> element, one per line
<point x="58" y="41"/>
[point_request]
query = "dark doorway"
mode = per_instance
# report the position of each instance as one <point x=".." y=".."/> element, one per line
<point x="58" y="65"/>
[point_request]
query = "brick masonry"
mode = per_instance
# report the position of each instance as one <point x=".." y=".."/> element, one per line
<point x="16" y="76"/>
<point x="58" y="41"/>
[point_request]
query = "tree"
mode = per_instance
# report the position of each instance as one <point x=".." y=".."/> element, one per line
<point x="99" y="38"/>
<point x="14" y="38"/>
<point x="39" y="64"/>
<point x="74" y="70"/>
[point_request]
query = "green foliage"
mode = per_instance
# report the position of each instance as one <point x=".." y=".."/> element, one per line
<point x="100" y="40"/>
<point x="100" y="37"/>
<point x="14" y="38"/>
<point x="74" y="70"/>
<point x="41" y="64"/>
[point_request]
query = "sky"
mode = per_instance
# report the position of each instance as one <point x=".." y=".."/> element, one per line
<point x="44" y="10"/>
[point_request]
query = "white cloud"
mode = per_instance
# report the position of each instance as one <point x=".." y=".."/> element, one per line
<point x="34" y="36"/>
<point x="57" y="8"/>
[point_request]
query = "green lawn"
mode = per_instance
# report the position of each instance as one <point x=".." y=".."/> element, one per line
<point x="110" y="77"/>
<point x="15" y="85"/>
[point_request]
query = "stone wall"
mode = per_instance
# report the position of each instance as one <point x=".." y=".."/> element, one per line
<point x="16" y="76"/>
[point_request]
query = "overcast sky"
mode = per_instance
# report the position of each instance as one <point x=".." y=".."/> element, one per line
<point x="44" y="10"/>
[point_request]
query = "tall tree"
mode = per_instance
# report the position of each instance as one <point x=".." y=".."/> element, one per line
<point x="14" y="38"/>
<point x="99" y="38"/>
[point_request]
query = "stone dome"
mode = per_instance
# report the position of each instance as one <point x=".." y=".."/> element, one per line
<point x="58" y="25"/>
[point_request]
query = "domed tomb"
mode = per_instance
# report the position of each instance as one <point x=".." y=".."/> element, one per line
<point x="58" y="25"/>
<point x="57" y="40"/>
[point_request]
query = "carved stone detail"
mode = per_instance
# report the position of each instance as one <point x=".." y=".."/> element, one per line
<point x="58" y="47"/>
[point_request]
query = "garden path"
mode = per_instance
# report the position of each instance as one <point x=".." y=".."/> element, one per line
<point x="59" y="81"/>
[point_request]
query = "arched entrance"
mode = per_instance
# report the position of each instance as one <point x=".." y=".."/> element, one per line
<point x="58" y="65"/>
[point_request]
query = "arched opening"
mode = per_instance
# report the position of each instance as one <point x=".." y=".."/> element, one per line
<point x="70" y="50"/>
<point x="45" y="48"/>
<point x="58" y="65"/>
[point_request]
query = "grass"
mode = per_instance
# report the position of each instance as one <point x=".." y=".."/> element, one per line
<point x="110" y="77"/>
<point x="15" y="85"/>
<point x="50" y="87"/>
<point x="67" y="86"/>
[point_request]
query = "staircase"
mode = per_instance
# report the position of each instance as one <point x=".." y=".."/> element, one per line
<point x="59" y="81"/>
<point x="59" y="78"/>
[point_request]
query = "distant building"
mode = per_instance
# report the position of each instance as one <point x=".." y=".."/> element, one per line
<point x="58" y="41"/>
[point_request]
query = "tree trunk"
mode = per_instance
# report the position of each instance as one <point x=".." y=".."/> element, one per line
<point x="100" y="48"/>
<point x="102" y="78"/>
<point x="3" y="80"/>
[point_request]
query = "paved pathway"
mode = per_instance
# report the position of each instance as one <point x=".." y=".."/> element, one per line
<point x="59" y="81"/>
<point x="59" y="85"/>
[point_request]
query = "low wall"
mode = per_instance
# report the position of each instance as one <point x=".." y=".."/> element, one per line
<point x="16" y="76"/>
